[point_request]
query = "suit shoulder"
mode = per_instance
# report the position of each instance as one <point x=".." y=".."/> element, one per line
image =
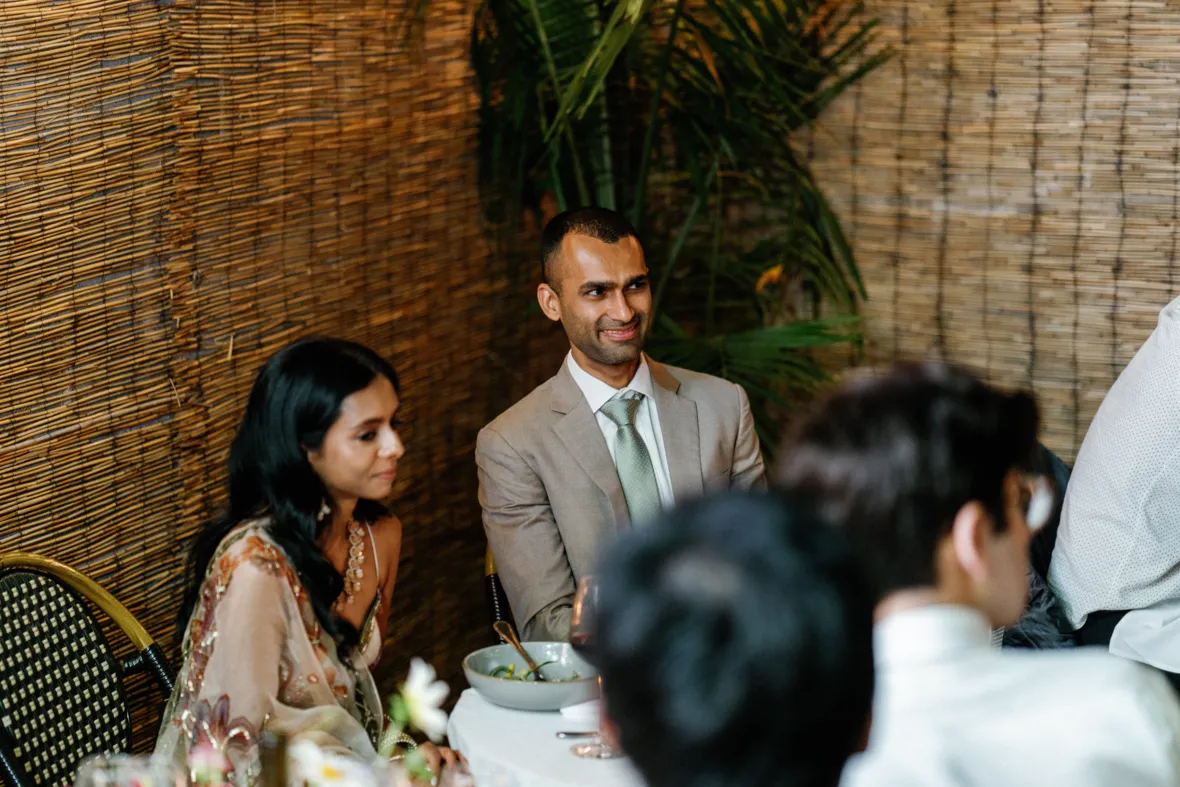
<point x="522" y="416"/>
<point x="699" y="383"/>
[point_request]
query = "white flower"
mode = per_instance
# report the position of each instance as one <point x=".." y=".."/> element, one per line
<point x="319" y="768"/>
<point x="424" y="697"/>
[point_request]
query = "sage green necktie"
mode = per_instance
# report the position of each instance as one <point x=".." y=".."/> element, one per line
<point x="632" y="461"/>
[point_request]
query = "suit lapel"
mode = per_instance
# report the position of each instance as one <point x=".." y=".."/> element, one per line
<point x="582" y="438"/>
<point x="682" y="437"/>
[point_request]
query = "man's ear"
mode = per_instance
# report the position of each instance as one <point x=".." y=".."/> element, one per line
<point x="550" y="303"/>
<point x="968" y="535"/>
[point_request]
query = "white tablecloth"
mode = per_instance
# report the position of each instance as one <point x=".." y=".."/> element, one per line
<point x="510" y="748"/>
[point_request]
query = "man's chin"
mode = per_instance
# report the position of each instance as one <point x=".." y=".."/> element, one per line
<point x="618" y="354"/>
<point x="614" y="355"/>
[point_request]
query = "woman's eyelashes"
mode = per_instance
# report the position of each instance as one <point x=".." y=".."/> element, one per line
<point x="371" y="434"/>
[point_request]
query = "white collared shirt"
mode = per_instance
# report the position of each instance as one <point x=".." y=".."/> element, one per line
<point x="952" y="711"/>
<point x="647" y="420"/>
<point x="1118" y="547"/>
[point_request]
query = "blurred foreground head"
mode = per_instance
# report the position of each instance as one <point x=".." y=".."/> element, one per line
<point x="735" y="645"/>
<point x="923" y="468"/>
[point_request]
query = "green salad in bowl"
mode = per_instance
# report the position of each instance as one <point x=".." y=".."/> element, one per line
<point x="501" y="676"/>
<point x="508" y="672"/>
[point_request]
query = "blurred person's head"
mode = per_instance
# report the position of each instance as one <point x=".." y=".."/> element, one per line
<point x="596" y="284"/>
<point x="923" y="469"/>
<point x="734" y="639"/>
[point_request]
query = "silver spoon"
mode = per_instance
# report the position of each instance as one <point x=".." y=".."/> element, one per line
<point x="504" y="629"/>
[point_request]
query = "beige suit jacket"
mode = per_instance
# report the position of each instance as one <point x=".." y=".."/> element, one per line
<point x="552" y="499"/>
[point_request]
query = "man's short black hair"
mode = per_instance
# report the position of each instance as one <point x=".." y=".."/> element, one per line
<point x="734" y="638"/>
<point x="892" y="459"/>
<point x="598" y="223"/>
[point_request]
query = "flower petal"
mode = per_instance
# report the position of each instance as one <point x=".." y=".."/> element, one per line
<point x="433" y="722"/>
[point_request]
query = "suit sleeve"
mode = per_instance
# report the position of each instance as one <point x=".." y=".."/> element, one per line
<point x="748" y="471"/>
<point x="521" y="530"/>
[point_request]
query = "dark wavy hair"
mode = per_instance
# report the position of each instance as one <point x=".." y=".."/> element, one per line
<point x="891" y="459"/>
<point x="295" y="400"/>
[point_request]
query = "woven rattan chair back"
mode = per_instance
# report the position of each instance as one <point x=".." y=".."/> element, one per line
<point x="61" y="687"/>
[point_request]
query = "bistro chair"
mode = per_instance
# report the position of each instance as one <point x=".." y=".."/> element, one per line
<point x="62" y="694"/>
<point x="498" y="608"/>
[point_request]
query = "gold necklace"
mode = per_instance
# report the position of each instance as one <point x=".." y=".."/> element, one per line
<point x="356" y="559"/>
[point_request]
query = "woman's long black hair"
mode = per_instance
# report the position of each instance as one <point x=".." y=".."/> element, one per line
<point x="295" y="400"/>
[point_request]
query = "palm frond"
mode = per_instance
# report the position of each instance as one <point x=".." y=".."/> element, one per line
<point x="683" y="115"/>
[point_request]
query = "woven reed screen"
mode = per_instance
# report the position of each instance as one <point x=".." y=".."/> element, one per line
<point x="1010" y="183"/>
<point x="186" y="186"/>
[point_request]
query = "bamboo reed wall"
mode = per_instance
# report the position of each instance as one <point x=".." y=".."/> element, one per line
<point x="1010" y="184"/>
<point x="184" y="187"/>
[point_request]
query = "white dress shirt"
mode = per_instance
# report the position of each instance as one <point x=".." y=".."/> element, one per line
<point x="1118" y="546"/>
<point x="647" y="420"/>
<point x="952" y="711"/>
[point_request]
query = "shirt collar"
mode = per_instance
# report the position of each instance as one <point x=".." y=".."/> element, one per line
<point x="598" y="393"/>
<point x="937" y="632"/>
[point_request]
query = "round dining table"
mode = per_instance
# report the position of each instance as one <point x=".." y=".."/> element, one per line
<point x="513" y="748"/>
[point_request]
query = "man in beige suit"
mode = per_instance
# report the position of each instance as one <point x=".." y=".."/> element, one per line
<point x="611" y="439"/>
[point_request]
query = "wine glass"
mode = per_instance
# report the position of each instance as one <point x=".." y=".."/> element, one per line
<point x="125" y="770"/>
<point x="582" y="637"/>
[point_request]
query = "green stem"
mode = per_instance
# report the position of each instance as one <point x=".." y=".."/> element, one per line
<point x="715" y="255"/>
<point x="604" y="176"/>
<point x="653" y="115"/>
<point x="554" y="174"/>
<point x="682" y="237"/>
<point x="551" y="65"/>
<point x="604" y="180"/>
<point x="579" y="177"/>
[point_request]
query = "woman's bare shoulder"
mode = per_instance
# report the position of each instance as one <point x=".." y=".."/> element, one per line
<point x="388" y="533"/>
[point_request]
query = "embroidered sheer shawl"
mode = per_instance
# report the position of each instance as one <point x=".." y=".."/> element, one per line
<point x="256" y="657"/>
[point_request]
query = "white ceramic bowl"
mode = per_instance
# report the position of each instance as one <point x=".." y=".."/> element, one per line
<point x="529" y="694"/>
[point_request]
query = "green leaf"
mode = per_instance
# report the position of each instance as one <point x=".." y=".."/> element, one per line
<point x="685" y="113"/>
<point x="588" y="79"/>
<point x="399" y="714"/>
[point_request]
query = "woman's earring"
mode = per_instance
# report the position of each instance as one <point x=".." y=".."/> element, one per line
<point x="325" y="511"/>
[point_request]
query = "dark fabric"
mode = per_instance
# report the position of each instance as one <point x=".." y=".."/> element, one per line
<point x="1043" y="625"/>
<point x="1041" y="546"/>
<point x="1099" y="628"/>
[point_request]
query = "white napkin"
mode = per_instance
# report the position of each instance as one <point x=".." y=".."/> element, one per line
<point x="588" y="712"/>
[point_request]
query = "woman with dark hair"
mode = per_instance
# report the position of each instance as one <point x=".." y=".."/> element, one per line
<point x="287" y="594"/>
